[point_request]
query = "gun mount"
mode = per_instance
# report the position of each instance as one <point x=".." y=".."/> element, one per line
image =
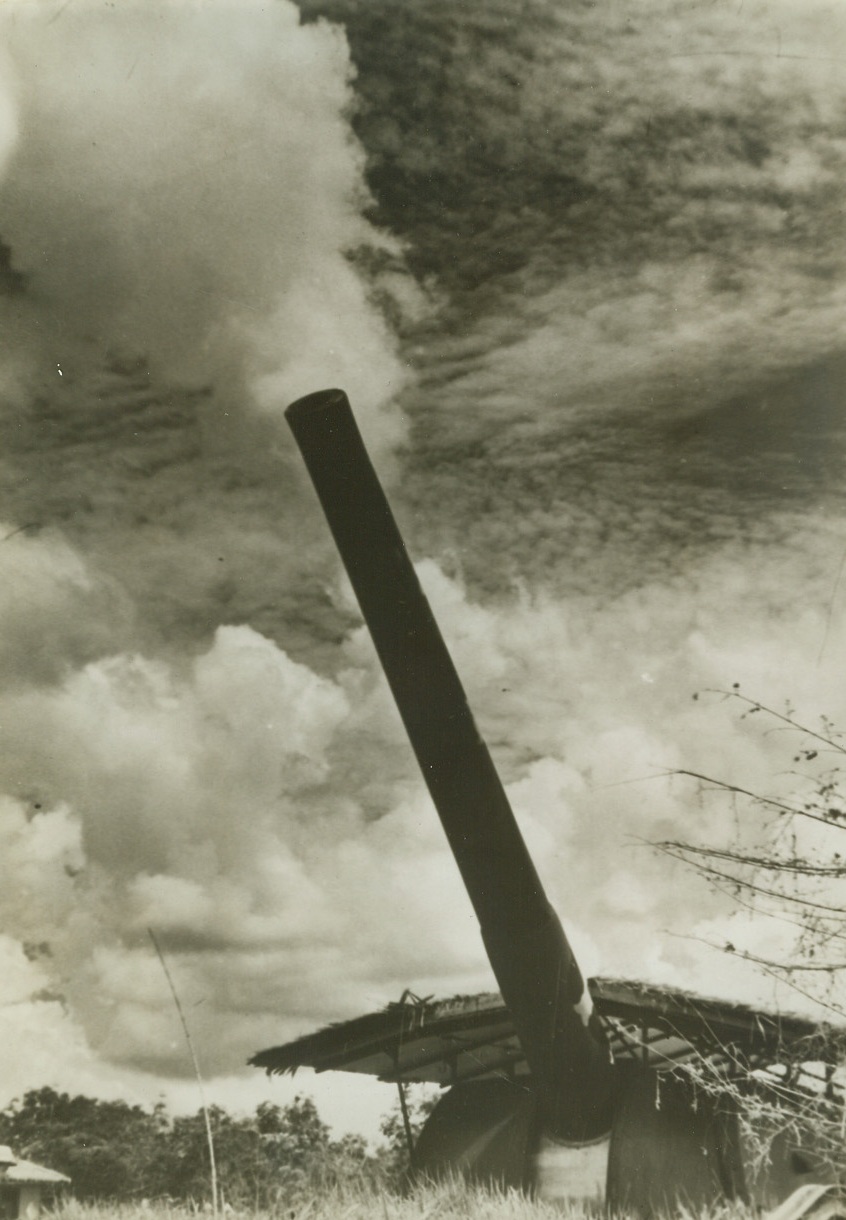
<point x="536" y="1069"/>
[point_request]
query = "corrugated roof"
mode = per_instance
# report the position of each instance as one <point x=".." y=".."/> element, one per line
<point x="466" y="1037"/>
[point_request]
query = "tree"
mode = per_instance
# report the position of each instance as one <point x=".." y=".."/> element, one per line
<point x="112" y="1151"/>
<point x="787" y="862"/>
<point x="395" y="1157"/>
<point x="263" y="1161"/>
<point x="786" y="866"/>
<point x="103" y="1146"/>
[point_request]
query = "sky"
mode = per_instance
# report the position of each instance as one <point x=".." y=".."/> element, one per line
<point x="581" y="271"/>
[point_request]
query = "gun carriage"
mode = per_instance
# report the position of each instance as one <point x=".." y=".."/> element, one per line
<point x="594" y="1078"/>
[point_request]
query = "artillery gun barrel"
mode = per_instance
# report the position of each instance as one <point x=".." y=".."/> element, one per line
<point x="533" y="963"/>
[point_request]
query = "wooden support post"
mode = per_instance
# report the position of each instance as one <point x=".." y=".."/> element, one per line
<point x="406" y="1122"/>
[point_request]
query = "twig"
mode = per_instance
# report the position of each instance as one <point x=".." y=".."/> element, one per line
<point x="756" y="705"/>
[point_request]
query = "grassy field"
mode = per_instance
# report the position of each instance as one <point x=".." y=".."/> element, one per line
<point x="445" y="1201"/>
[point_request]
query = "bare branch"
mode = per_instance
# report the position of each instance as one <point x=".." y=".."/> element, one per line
<point x="755" y="705"/>
<point x="709" y="871"/>
<point x="771" y="802"/>
<point x="772" y="863"/>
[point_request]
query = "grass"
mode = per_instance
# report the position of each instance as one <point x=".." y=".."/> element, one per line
<point x="443" y="1201"/>
<point x="455" y="1200"/>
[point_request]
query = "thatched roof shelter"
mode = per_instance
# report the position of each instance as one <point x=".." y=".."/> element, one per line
<point x="664" y="1028"/>
<point x="27" y="1173"/>
<point x="22" y="1183"/>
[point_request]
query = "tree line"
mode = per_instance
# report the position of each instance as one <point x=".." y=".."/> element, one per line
<point x="114" y="1151"/>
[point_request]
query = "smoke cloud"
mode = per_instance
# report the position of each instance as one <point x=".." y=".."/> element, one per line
<point x="181" y="210"/>
<point x="185" y="190"/>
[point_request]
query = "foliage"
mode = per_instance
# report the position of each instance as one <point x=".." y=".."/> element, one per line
<point x="101" y="1145"/>
<point x="788" y="860"/>
<point x="396" y="1161"/>
<point x="786" y="866"/>
<point x="114" y="1151"/>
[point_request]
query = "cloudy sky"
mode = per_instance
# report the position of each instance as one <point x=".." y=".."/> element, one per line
<point x="580" y="267"/>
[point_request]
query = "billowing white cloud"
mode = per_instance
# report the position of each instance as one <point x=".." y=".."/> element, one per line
<point x="186" y="189"/>
<point x="54" y="612"/>
<point x="217" y="803"/>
